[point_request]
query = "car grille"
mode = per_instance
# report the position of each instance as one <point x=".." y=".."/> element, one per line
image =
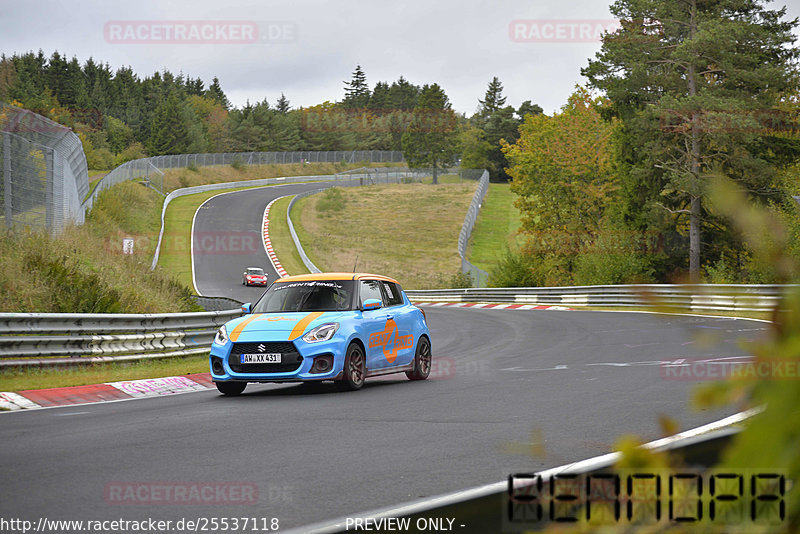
<point x="290" y="358"/>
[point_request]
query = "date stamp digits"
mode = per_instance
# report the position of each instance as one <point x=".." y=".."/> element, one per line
<point x="637" y="497"/>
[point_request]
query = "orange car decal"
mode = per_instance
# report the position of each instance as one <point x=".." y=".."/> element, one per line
<point x="300" y="327"/>
<point x="390" y="340"/>
<point x="237" y="331"/>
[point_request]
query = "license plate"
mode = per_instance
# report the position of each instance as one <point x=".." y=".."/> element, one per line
<point x="271" y="357"/>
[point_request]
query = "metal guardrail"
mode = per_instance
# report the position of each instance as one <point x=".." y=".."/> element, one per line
<point x="390" y="175"/>
<point x="489" y="508"/>
<point x="300" y="250"/>
<point x="227" y="185"/>
<point x="149" y="169"/>
<point x="341" y="178"/>
<point x="480" y="278"/>
<point x="43" y="339"/>
<point x="216" y="303"/>
<point x="695" y="297"/>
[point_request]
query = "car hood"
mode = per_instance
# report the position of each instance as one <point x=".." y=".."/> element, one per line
<point x="278" y="326"/>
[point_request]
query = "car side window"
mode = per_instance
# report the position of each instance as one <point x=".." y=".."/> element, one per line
<point x="370" y="289"/>
<point x="393" y="295"/>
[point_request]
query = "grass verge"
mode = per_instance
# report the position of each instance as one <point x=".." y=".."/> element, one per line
<point x="281" y="239"/>
<point x="42" y="378"/>
<point x="83" y="270"/>
<point x="407" y="231"/>
<point x="496" y="229"/>
<point x="176" y="256"/>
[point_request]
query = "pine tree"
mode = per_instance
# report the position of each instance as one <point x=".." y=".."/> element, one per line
<point x="690" y="79"/>
<point x="379" y="101"/>
<point x="356" y="91"/>
<point x="282" y="105"/>
<point x="216" y="93"/>
<point x="527" y="108"/>
<point x="403" y="95"/>
<point x="493" y="100"/>
<point x="430" y="140"/>
<point x="168" y="133"/>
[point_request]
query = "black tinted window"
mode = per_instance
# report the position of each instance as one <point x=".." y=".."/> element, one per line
<point x="393" y="293"/>
<point x="310" y="296"/>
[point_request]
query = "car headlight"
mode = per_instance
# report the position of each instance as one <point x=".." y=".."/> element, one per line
<point x="222" y="336"/>
<point x="321" y="333"/>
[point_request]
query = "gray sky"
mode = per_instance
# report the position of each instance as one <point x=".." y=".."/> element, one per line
<point x="313" y="46"/>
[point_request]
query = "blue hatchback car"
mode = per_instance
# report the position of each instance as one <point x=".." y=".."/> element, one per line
<point x="343" y="327"/>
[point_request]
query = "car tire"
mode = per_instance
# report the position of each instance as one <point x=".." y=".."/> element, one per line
<point x="355" y="367"/>
<point x="422" y="361"/>
<point x="231" y="389"/>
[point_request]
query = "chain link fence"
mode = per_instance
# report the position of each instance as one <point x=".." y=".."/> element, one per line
<point x="479" y="277"/>
<point x="43" y="172"/>
<point x="150" y="169"/>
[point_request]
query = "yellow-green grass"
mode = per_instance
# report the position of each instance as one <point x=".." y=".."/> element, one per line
<point x="175" y="255"/>
<point x="83" y="269"/>
<point x="52" y="377"/>
<point x="407" y="231"/>
<point x="496" y="229"/>
<point x="94" y="178"/>
<point x="282" y="242"/>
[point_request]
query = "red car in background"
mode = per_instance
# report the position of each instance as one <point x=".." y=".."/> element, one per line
<point x="254" y="276"/>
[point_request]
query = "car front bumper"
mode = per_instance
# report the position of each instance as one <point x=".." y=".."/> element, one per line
<point x="228" y="367"/>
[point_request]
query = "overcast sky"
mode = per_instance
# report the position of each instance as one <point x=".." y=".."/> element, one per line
<point x="307" y="48"/>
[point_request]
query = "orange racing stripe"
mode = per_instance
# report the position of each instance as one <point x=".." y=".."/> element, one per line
<point x="300" y="327"/>
<point x="239" y="327"/>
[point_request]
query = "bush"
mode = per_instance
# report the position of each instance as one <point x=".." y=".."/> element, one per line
<point x="132" y="152"/>
<point x="515" y="270"/>
<point x="238" y="164"/>
<point x="193" y="167"/>
<point x="721" y="272"/>
<point x="460" y="281"/>
<point x="331" y="199"/>
<point x="616" y="256"/>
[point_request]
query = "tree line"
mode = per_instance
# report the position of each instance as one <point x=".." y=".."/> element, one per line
<point x="684" y="101"/>
<point x="120" y="115"/>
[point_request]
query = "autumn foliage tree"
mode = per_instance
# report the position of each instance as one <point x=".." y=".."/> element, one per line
<point x="562" y="172"/>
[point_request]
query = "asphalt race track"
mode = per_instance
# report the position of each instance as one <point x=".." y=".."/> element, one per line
<point x="501" y="379"/>
<point x="577" y="379"/>
<point x="227" y="239"/>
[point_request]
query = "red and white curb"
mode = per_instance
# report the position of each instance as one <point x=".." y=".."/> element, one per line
<point x="488" y="306"/>
<point x="268" y="244"/>
<point x="110" y="391"/>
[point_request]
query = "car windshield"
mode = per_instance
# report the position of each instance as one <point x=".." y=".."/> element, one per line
<point x="255" y="271"/>
<point x="307" y="296"/>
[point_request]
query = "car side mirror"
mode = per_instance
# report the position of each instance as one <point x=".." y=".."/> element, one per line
<point x="372" y="304"/>
<point x="247" y="307"/>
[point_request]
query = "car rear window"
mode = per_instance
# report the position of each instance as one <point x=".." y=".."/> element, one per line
<point x="393" y="294"/>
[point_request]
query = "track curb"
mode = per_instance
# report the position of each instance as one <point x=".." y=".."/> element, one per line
<point x="273" y="258"/>
<point x="33" y="399"/>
